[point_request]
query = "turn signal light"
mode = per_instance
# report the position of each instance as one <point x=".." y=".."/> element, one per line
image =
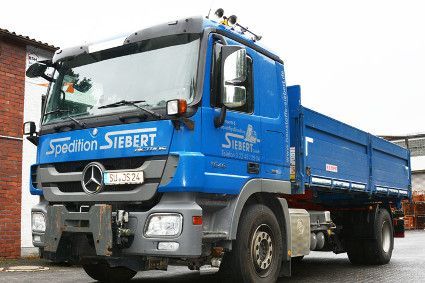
<point x="176" y="107"/>
<point x="197" y="220"/>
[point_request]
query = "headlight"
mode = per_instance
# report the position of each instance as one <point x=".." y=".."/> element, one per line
<point x="163" y="224"/>
<point x="38" y="222"/>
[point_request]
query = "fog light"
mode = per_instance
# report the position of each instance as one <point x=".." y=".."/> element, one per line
<point x="163" y="224"/>
<point x="38" y="222"/>
<point x="168" y="246"/>
<point x="36" y="238"/>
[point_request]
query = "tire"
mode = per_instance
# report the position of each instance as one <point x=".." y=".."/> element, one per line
<point x="104" y="273"/>
<point x="376" y="251"/>
<point x="257" y="252"/>
<point x="355" y="251"/>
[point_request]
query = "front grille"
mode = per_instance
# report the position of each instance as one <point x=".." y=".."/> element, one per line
<point x="109" y="164"/>
<point x="61" y="179"/>
<point x="76" y="187"/>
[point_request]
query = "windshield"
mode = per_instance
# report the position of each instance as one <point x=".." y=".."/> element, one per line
<point x="152" y="71"/>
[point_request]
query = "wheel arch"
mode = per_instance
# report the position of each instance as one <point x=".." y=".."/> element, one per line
<point x="261" y="191"/>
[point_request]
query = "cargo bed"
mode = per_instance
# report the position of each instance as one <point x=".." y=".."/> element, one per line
<point x="326" y="153"/>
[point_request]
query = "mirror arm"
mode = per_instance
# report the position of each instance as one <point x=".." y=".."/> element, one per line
<point x="49" y="64"/>
<point x="189" y="123"/>
<point x="220" y="38"/>
<point x="47" y="78"/>
<point x="33" y="139"/>
<point x="219" y="120"/>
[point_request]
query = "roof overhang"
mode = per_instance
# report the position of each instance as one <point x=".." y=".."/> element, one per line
<point x="26" y="40"/>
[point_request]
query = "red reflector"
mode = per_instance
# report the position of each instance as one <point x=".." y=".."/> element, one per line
<point x="197" y="220"/>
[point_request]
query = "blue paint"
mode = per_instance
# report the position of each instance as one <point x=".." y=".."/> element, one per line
<point x="328" y="153"/>
<point x="126" y="140"/>
<point x="344" y="156"/>
<point x="34" y="190"/>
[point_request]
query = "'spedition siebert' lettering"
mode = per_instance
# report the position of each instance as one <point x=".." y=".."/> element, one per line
<point x="57" y="147"/>
<point x="136" y="138"/>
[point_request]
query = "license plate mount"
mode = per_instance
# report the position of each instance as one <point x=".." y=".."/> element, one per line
<point x="123" y="177"/>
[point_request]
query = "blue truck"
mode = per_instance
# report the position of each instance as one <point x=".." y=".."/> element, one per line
<point x="183" y="145"/>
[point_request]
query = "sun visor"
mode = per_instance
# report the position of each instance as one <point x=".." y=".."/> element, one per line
<point x="186" y="25"/>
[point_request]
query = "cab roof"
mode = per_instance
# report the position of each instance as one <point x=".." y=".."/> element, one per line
<point x="186" y="25"/>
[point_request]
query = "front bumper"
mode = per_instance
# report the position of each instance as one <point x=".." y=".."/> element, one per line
<point x="98" y="223"/>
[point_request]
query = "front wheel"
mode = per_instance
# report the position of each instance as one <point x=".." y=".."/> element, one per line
<point x="104" y="273"/>
<point x="257" y="252"/>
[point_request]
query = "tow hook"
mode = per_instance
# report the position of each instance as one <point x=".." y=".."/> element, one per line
<point x="124" y="235"/>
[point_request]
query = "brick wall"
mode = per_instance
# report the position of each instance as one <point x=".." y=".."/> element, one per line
<point x="12" y="84"/>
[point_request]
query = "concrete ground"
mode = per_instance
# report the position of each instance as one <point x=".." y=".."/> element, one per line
<point x="407" y="265"/>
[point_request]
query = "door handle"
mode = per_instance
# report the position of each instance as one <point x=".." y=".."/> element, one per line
<point x="253" y="168"/>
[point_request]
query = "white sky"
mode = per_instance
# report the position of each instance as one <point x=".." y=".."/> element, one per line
<point x="359" y="61"/>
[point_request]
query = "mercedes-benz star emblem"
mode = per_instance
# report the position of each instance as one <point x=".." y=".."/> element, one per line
<point x="92" y="180"/>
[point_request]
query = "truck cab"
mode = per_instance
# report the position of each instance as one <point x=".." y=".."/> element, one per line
<point x="182" y="144"/>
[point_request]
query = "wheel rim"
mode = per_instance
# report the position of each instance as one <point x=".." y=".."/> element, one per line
<point x="386" y="237"/>
<point x="262" y="249"/>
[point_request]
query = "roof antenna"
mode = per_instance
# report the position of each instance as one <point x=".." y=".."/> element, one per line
<point x="256" y="37"/>
<point x="209" y="11"/>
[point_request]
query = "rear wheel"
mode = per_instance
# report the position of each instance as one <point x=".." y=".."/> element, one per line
<point x="104" y="273"/>
<point x="257" y="252"/>
<point x="375" y="251"/>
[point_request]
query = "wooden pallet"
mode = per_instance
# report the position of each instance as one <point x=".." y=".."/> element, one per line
<point x="418" y="196"/>
<point x="408" y="207"/>
<point x="420" y="221"/>
<point x="409" y="222"/>
<point x="419" y="208"/>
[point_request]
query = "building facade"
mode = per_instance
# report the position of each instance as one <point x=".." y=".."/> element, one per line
<point x="416" y="144"/>
<point x="20" y="100"/>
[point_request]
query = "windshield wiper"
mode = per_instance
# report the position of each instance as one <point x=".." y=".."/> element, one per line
<point x="57" y="111"/>
<point x="79" y="123"/>
<point x="132" y="103"/>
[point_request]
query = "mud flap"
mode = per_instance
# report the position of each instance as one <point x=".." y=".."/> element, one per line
<point x="97" y="221"/>
<point x="285" y="269"/>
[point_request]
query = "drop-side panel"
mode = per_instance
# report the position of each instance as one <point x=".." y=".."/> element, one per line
<point x="341" y="156"/>
<point x="329" y="153"/>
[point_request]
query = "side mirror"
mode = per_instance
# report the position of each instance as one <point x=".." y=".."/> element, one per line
<point x="29" y="128"/>
<point x="234" y="72"/>
<point x="30" y="131"/>
<point x="234" y="64"/>
<point x="36" y="70"/>
<point x="234" y="96"/>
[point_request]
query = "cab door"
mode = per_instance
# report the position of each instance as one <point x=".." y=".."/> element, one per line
<point x="233" y="150"/>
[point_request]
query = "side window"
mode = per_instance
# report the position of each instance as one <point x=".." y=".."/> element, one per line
<point x="216" y="87"/>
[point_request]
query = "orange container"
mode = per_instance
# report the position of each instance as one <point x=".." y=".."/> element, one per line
<point x="408" y="208"/>
<point x="418" y="196"/>
<point x="409" y="222"/>
<point x="419" y="208"/>
<point x="420" y="222"/>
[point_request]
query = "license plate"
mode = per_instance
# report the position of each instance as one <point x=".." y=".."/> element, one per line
<point x="119" y="178"/>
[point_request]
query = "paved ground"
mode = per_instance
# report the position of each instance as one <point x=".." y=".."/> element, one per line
<point x="407" y="265"/>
